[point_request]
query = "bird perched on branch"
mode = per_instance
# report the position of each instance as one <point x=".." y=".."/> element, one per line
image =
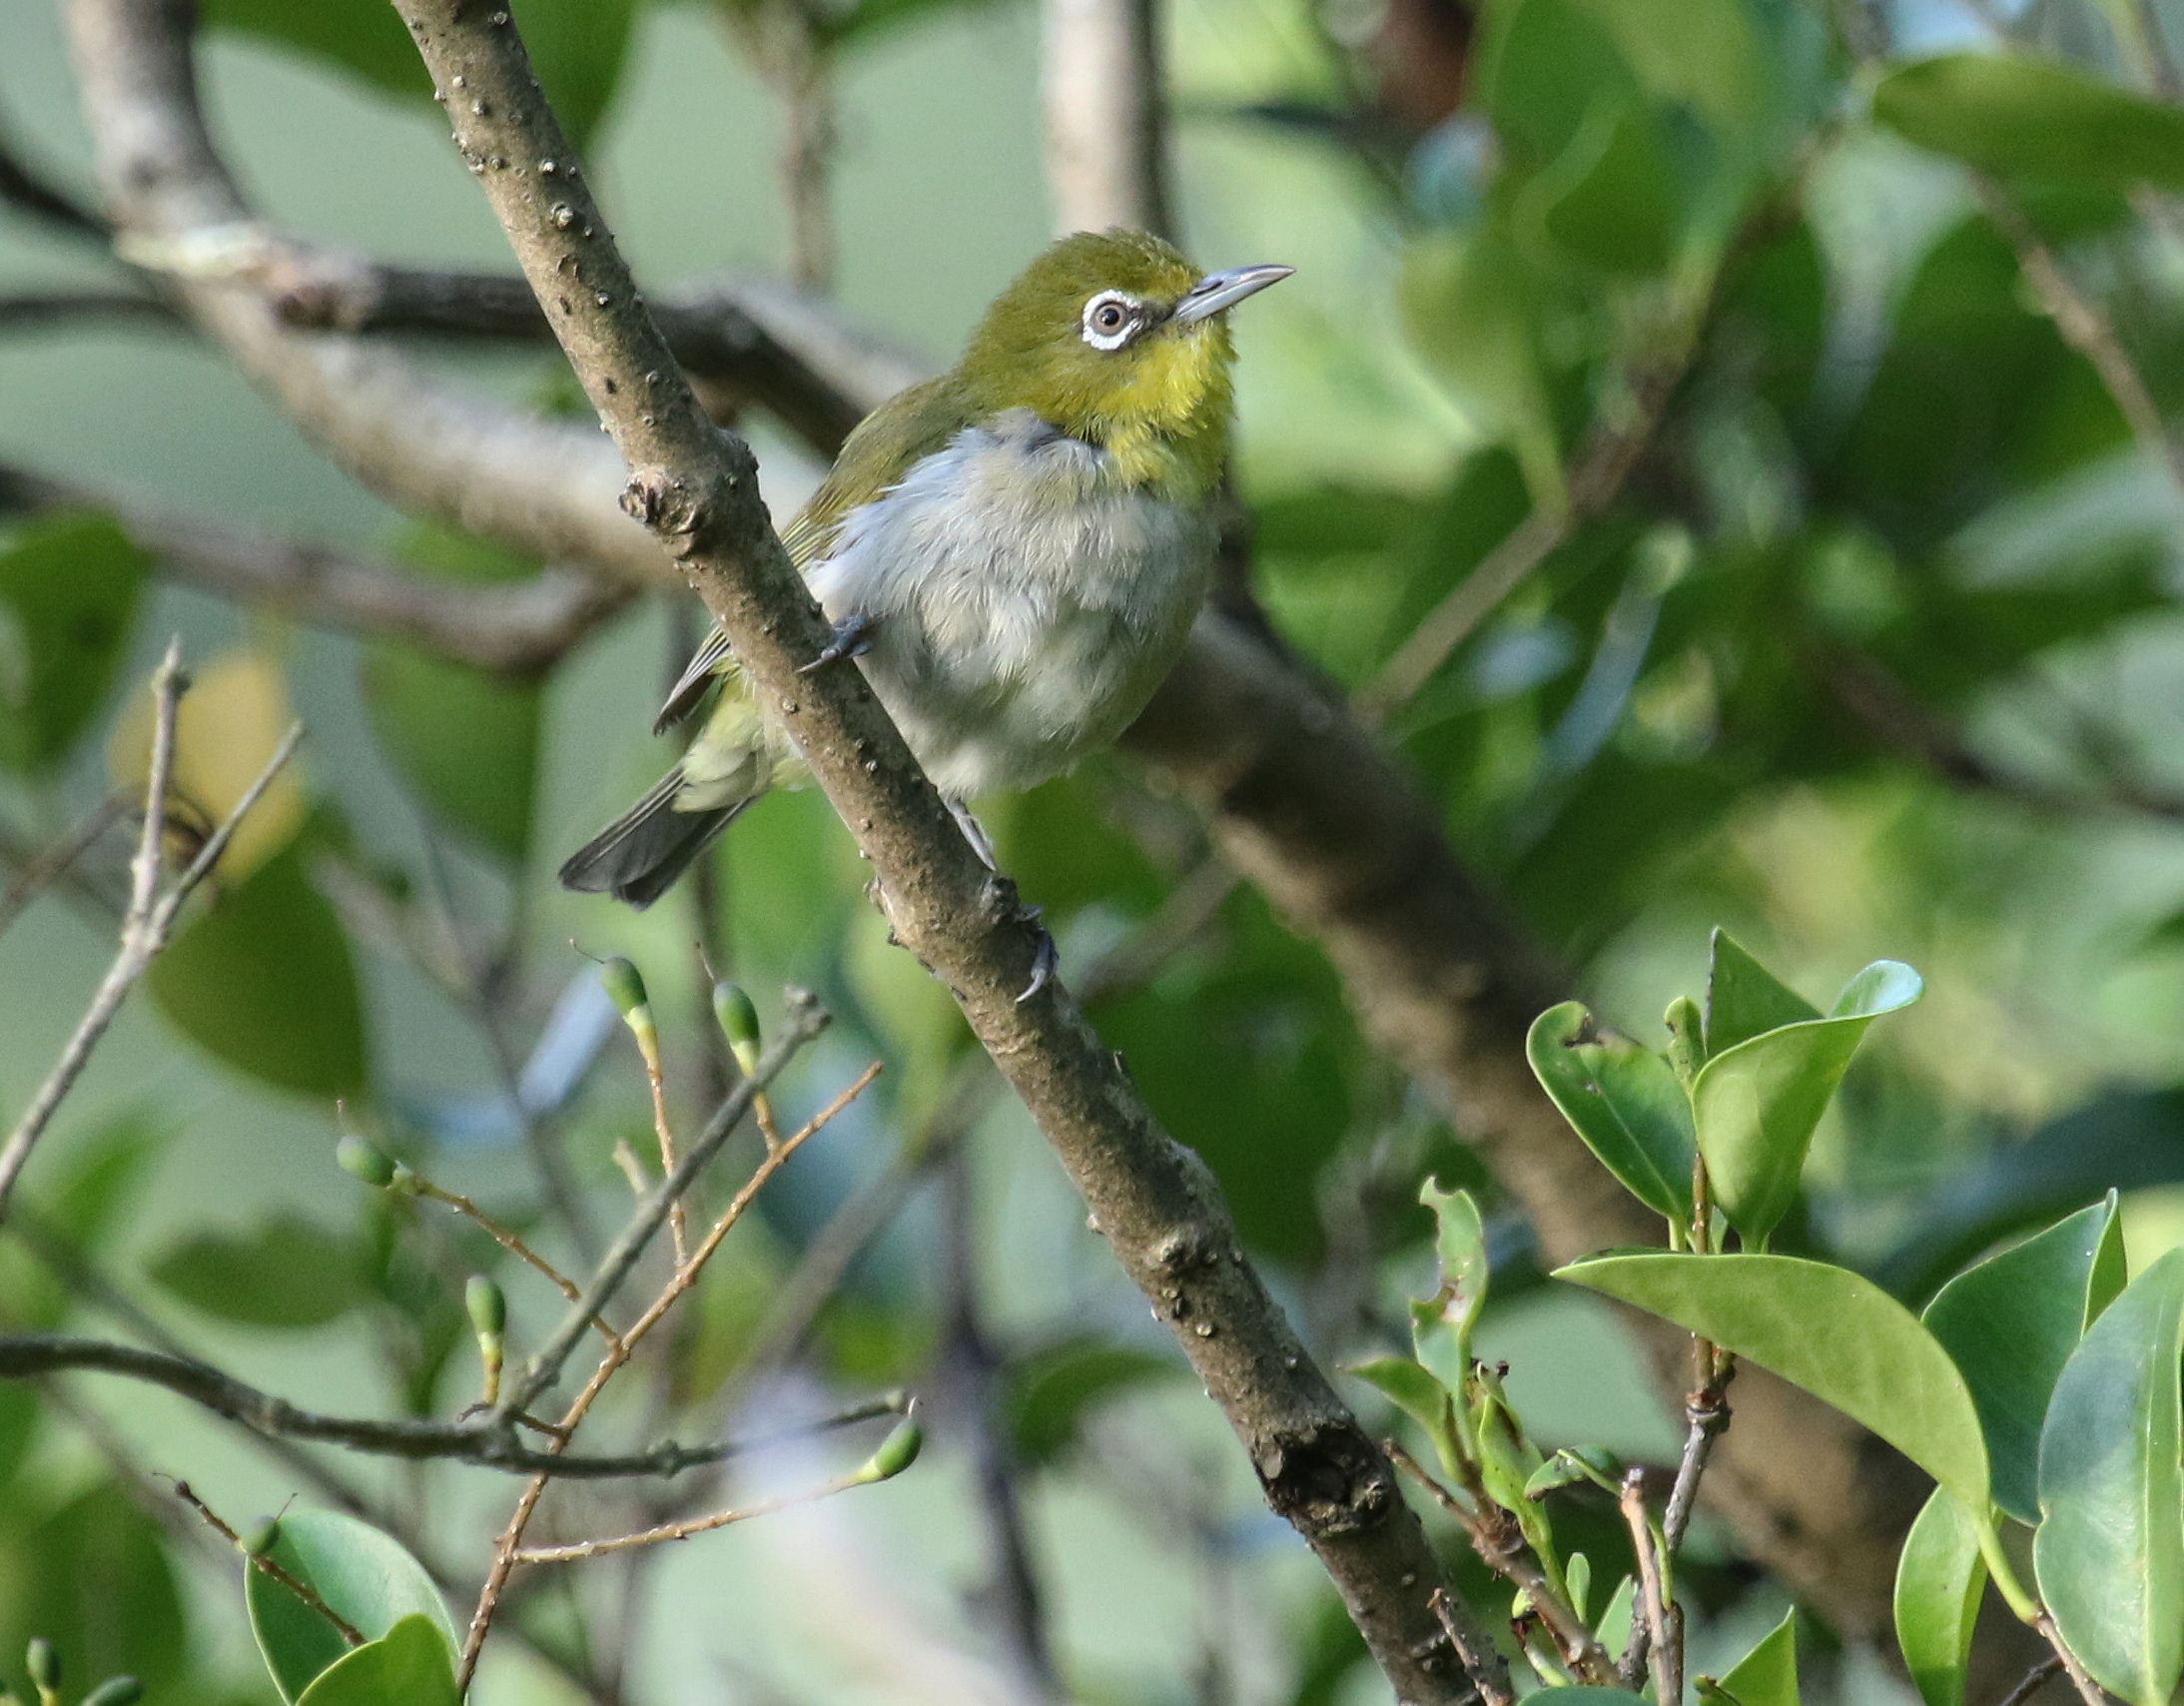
<point x="1014" y="550"/>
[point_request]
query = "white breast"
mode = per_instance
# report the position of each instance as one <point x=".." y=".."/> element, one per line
<point x="1027" y="601"/>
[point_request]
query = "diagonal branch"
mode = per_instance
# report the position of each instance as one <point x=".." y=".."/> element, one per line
<point x="694" y="487"/>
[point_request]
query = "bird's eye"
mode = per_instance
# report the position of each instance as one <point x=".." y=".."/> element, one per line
<point x="1109" y="320"/>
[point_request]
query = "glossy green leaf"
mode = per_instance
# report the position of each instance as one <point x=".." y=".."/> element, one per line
<point x="577" y="47"/>
<point x="361" y="1573"/>
<point x="1757" y="1104"/>
<point x="264" y="980"/>
<point x="284" y="1273"/>
<point x="1745" y="1000"/>
<point x="1410" y="1387"/>
<point x="2012" y="1322"/>
<point x="409" y="1666"/>
<point x="2025" y="117"/>
<point x="1939" y="1576"/>
<point x="1825" y="1329"/>
<point x="2109" y="1554"/>
<point x="465" y="740"/>
<point x="1623" y="1100"/>
<point x="1768" y="1675"/>
<point x="68" y="599"/>
<point x="1614" y="1627"/>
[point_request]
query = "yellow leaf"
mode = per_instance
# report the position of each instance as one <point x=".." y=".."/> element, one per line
<point x="230" y="721"/>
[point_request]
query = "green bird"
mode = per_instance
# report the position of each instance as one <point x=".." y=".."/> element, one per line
<point x="1014" y="551"/>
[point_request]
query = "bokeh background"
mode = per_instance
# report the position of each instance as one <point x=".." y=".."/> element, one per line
<point x="1877" y="653"/>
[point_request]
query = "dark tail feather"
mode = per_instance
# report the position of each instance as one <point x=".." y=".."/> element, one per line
<point x="637" y="856"/>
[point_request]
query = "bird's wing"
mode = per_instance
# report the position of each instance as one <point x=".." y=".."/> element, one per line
<point x="907" y="427"/>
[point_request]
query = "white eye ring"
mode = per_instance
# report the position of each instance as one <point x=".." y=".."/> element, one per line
<point x="1111" y="320"/>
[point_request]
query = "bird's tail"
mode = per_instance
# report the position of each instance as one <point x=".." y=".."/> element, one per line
<point x="637" y="856"/>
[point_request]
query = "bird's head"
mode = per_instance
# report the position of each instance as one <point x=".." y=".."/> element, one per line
<point x="1118" y="339"/>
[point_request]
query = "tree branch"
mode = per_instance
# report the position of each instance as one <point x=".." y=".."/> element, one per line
<point x="695" y="488"/>
<point x="1100" y="82"/>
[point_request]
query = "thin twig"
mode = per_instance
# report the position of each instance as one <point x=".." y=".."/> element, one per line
<point x="509" y="1241"/>
<point x="2034" y="1680"/>
<point x="1482" y="1660"/>
<point x="775" y="1157"/>
<point x="685" y="1529"/>
<point x="49" y="866"/>
<point x="259" y="1561"/>
<point x="1494" y="1536"/>
<point x="142" y="931"/>
<point x="678" y="1217"/>
<point x="1706" y="1413"/>
<point x="1660" y="1619"/>
<point x="2088" y="1690"/>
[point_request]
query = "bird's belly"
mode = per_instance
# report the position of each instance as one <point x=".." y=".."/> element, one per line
<point x="1024" y="614"/>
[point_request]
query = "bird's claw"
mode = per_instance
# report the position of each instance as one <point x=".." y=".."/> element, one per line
<point x="851" y="639"/>
<point x="1046" y="957"/>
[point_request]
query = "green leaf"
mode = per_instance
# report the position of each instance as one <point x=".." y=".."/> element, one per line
<point x="1609" y="199"/>
<point x="409" y="1666"/>
<point x="285" y="1272"/>
<point x="1939" y="1577"/>
<point x="361" y="1573"/>
<point x="93" y="1577"/>
<point x="1756" y="1106"/>
<point x="1411" y="1389"/>
<point x="264" y="980"/>
<point x="1745" y="1000"/>
<point x="1585" y="1694"/>
<point x="465" y="740"/>
<point x="1702" y="53"/>
<point x="1050" y="1394"/>
<point x="2023" y="117"/>
<point x="577" y="47"/>
<point x="2012" y="1322"/>
<point x="68" y="597"/>
<point x="2109" y="1554"/>
<point x="1768" y="1675"/>
<point x="1623" y="1100"/>
<point x="1441" y="1325"/>
<point x="1832" y="1331"/>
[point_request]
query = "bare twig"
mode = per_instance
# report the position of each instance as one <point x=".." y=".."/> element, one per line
<point x="775" y="1157"/>
<point x="40" y="874"/>
<point x="41" y="310"/>
<point x="509" y="1242"/>
<point x="694" y="487"/>
<point x="685" y="1529"/>
<point x="27" y="190"/>
<point x="1706" y="1413"/>
<point x="1494" y="1536"/>
<point x="1483" y="1662"/>
<point x="1659" y="1617"/>
<point x="350" y="1634"/>
<point x="2089" y="1691"/>
<point x="2034" y="1680"/>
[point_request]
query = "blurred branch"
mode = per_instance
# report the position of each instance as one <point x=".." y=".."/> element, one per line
<point x="40" y="310"/>
<point x="27" y="190"/>
<point x="488" y="1444"/>
<point x="2084" y="326"/>
<point x="49" y="866"/>
<point x="517" y="630"/>
<point x="150" y="919"/>
<point x="1102" y="85"/>
<point x="787" y="42"/>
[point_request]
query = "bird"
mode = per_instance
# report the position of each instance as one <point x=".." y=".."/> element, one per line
<point x="1013" y="552"/>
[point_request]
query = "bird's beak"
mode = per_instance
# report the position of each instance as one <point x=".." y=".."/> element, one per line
<point x="1217" y="290"/>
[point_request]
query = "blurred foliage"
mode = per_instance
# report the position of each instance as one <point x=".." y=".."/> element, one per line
<point x="1873" y="653"/>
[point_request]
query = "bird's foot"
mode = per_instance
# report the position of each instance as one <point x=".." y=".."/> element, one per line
<point x="1046" y="957"/>
<point x="851" y="639"/>
<point x="973" y="832"/>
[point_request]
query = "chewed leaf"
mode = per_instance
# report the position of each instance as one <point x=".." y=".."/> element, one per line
<point x="1623" y="1100"/>
<point x="1441" y="1325"/>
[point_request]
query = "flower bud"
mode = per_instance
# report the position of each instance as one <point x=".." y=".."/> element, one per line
<point x="738" y="1023"/>
<point x="115" y="1691"/>
<point x="44" y="1665"/>
<point x="488" y="1307"/>
<point x="262" y="1536"/>
<point x="624" y="986"/>
<point x="362" y="1158"/>
<point x="897" y="1452"/>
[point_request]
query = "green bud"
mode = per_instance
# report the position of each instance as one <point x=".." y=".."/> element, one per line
<point x="115" y="1691"/>
<point x="738" y="1023"/>
<point x="262" y="1536"/>
<point x="487" y="1306"/>
<point x="897" y="1452"/>
<point x="44" y="1665"/>
<point x="362" y="1158"/>
<point x="624" y="986"/>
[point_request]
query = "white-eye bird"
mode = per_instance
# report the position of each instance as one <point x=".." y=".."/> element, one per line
<point x="1014" y="550"/>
